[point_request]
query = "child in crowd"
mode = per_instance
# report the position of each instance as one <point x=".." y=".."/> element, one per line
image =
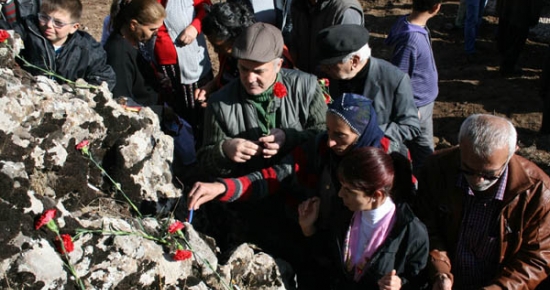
<point x="413" y="55"/>
<point x="54" y="43"/>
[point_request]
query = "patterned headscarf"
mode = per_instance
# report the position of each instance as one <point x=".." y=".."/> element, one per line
<point x="357" y="111"/>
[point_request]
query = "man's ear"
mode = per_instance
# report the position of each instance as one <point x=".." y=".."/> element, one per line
<point x="435" y="8"/>
<point x="278" y="64"/>
<point x="355" y="61"/>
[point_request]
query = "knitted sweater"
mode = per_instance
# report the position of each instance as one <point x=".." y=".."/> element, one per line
<point x="413" y="55"/>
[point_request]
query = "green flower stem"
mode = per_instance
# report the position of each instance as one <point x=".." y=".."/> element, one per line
<point x="52" y="74"/>
<point x="116" y="184"/>
<point x="68" y="263"/>
<point x="80" y="232"/>
<point x="52" y="226"/>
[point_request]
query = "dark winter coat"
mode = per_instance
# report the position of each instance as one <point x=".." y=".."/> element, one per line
<point x="405" y="250"/>
<point x="80" y="57"/>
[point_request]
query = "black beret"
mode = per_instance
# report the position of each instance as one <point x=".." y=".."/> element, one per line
<point x="335" y="42"/>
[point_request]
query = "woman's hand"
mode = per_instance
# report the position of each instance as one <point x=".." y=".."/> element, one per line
<point x="308" y="212"/>
<point x="187" y="36"/>
<point x="390" y="281"/>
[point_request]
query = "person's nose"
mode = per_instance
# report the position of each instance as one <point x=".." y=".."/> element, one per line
<point x="331" y="143"/>
<point x="251" y="78"/>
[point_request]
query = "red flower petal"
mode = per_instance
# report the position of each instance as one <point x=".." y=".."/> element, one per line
<point x="67" y="244"/>
<point x="46" y="217"/>
<point x="176" y="226"/>
<point x="4" y="35"/>
<point x="182" y="255"/>
<point x="279" y="90"/>
<point x="84" y="143"/>
<point x="328" y="99"/>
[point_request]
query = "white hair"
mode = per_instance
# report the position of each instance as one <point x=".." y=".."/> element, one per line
<point x="363" y="53"/>
<point x="487" y="133"/>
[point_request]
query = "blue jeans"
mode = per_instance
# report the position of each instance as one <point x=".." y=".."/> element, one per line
<point x="474" y="13"/>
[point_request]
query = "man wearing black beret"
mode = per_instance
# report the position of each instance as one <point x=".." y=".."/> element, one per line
<point x="345" y="56"/>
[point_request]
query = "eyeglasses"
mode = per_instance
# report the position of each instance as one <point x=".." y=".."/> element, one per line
<point x="485" y="175"/>
<point x="45" y="19"/>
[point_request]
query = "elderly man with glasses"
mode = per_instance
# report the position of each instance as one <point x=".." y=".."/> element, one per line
<point x="486" y="210"/>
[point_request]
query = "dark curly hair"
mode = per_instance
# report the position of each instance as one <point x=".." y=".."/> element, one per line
<point x="225" y="21"/>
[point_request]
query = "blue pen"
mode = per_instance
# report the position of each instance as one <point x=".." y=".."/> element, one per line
<point x="190" y="218"/>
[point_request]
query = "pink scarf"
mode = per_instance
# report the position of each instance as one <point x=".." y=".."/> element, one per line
<point x="379" y="235"/>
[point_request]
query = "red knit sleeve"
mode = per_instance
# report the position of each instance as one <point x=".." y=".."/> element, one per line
<point x="165" y="52"/>
<point x="201" y="12"/>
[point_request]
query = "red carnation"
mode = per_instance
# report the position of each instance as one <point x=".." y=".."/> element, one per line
<point x="4" y="35"/>
<point x="324" y="82"/>
<point x="328" y="99"/>
<point x="46" y="217"/>
<point x="67" y="244"/>
<point x="182" y="255"/>
<point x="279" y="90"/>
<point x="176" y="226"/>
<point x="83" y="144"/>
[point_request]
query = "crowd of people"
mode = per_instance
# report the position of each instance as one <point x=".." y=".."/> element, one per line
<point x="306" y="145"/>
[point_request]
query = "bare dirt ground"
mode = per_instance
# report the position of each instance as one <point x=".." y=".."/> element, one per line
<point x="464" y="88"/>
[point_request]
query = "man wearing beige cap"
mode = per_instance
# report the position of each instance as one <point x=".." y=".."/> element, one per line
<point x="254" y="121"/>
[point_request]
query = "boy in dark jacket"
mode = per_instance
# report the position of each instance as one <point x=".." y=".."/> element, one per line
<point x="54" y="43"/>
<point x="413" y="55"/>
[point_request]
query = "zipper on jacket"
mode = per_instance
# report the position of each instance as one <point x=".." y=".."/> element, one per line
<point x="51" y="60"/>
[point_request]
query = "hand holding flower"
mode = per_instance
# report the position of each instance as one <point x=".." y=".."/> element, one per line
<point x="272" y="143"/>
<point x="240" y="150"/>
